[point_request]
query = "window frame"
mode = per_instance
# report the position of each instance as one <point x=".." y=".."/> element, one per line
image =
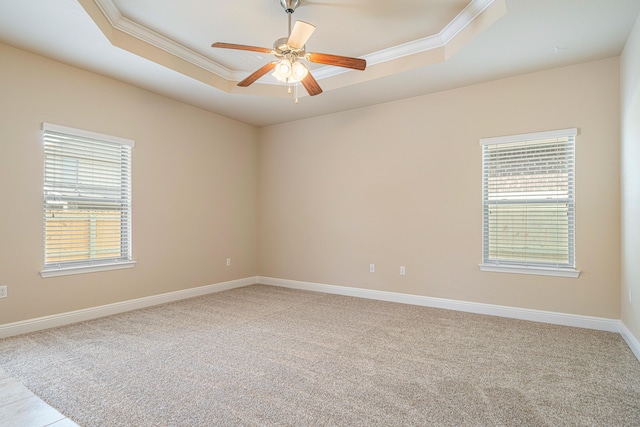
<point x="89" y="265"/>
<point x="524" y="267"/>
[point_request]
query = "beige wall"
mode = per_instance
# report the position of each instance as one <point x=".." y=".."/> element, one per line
<point x="194" y="188"/>
<point x="630" y="165"/>
<point x="400" y="184"/>
<point x="315" y="200"/>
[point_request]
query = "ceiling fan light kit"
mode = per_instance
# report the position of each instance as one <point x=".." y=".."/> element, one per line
<point x="288" y="72"/>
<point x="289" y="52"/>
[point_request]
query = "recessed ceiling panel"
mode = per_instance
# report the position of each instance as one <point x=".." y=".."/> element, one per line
<point x="178" y="35"/>
<point x="345" y="27"/>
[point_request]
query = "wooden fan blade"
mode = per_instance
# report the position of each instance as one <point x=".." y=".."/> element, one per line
<point x="338" y="61"/>
<point x="241" y="47"/>
<point x="300" y="34"/>
<point x="256" y="75"/>
<point x="311" y="85"/>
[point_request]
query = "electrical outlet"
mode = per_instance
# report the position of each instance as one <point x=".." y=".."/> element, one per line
<point x="3" y="291"/>
<point x="372" y="268"/>
<point x="403" y="270"/>
<point x="228" y="262"/>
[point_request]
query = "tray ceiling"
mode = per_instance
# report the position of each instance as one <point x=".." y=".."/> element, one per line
<point x="392" y="37"/>
<point x="413" y="47"/>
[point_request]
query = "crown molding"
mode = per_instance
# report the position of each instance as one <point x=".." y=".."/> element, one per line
<point x="446" y="35"/>
<point x="120" y="22"/>
<point x="464" y="18"/>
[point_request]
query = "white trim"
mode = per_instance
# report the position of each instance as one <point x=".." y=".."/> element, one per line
<point x="67" y="271"/>
<point x="631" y="340"/>
<point x="540" y="271"/>
<point x="443" y="38"/>
<point x="587" y="322"/>
<point x="140" y="32"/>
<point x="87" y="134"/>
<point x="463" y="19"/>
<point x="32" y="325"/>
<point x="405" y="49"/>
<point x="529" y="136"/>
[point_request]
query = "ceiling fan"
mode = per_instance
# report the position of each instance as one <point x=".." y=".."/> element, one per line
<point x="289" y="53"/>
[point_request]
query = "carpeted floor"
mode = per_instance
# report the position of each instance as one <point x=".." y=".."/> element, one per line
<point x="264" y="355"/>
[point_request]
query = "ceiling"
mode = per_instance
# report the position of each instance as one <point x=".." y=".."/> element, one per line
<point x="412" y="47"/>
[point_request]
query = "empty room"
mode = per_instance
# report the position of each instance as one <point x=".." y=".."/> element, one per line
<point x="336" y="212"/>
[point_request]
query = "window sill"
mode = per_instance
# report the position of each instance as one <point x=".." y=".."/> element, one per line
<point x="540" y="271"/>
<point x="66" y="271"/>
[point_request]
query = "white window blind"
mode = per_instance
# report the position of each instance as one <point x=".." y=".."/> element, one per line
<point x="528" y="201"/>
<point x="87" y="201"/>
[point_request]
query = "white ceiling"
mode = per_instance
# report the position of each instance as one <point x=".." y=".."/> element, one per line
<point x="532" y="35"/>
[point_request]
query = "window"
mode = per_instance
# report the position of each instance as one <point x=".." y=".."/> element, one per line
<point x="87" y="201"/>
<point x="528" y="195"/>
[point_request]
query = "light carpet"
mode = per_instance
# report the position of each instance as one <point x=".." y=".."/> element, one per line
<point x="263" y="355"/>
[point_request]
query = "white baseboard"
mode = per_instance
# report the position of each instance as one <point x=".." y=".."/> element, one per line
<point x="588" y="322"/>
<point x="632" y="341"/>
<point x="32" y="325"/>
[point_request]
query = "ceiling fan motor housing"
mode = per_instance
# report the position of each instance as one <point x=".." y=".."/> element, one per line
<point x="282" y="49"/>
<point x="289" y="51"/>
<point x="289" y="5"/>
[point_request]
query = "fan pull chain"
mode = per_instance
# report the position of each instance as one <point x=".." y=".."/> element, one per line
<point x="295" y="91"/>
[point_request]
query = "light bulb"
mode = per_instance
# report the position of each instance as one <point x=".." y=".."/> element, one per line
<point x="283" y="70"/>
<point x="298" y="71"/>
